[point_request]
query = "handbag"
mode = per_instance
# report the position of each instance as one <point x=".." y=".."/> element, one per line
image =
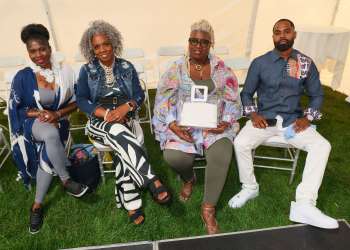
<point x="84" y="166"/>
<point x="136" y="129"/>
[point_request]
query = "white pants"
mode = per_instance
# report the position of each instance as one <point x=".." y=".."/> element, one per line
<point x="309" y="140"/>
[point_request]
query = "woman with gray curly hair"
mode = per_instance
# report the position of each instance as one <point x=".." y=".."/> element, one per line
<point x="181" y="142"/>
<point x="109" y="92"/>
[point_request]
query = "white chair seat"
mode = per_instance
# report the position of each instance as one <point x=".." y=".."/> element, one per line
<point x="291" y="156"/>
<point x="277" y="141"/>
<point x="101" y="147"/>
<point x="171" y="51"/>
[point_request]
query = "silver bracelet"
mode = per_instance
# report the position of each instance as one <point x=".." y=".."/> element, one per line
<point x="104" y="117"/>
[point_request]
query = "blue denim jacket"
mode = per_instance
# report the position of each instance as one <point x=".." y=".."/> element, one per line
<point x="280" y="84"/>
<point x="92" y="76"/>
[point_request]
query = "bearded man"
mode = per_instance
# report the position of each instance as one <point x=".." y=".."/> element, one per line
<point x="280" y="77"/>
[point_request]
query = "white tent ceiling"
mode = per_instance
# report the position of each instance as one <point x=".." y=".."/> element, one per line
<point x="244" y="26"/>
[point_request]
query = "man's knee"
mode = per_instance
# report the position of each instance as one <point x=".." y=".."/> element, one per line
<point x="241" y="142"/>
<point x="324" y="145"/>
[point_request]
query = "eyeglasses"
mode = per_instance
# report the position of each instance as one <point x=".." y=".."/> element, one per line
<point x="202" y="42"/>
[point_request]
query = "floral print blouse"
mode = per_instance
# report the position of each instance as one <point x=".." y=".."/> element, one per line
<point x="175" y="87"/>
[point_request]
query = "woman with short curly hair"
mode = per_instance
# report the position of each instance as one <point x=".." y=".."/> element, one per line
<point x="109" y="92"/>
<point x="180" y="144"/>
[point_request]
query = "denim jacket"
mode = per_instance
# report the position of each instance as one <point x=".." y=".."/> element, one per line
<point x="92" y="76"/>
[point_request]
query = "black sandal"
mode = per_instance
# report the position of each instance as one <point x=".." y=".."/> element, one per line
<point x="136" y="215"/>
<point x="156" y="191"/>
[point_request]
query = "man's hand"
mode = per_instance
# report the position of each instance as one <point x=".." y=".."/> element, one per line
<point x="181" y="132"/>
<point x="258" y="121"/>
<point x="220" y="129"/>
<point x="118" y="114"/>
<point x="301" y="124"/>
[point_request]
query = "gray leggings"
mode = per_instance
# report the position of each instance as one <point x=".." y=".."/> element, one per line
<point x="46" y="132"/>
<point x="218" y="157"/>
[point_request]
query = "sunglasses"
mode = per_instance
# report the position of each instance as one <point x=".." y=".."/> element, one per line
<point x="202" y="42"/>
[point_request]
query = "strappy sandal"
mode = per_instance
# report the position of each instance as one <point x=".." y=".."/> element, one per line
<point x="156" y="191"/>
<point x="187" y="189"/>
<point x="208" y="217"/>
<point x="136" y="215"/>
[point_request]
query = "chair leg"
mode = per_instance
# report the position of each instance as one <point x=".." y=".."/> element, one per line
<point x="295" y="163"/>
<point x="6" y="147"/>
<point x="100" y="164"/>
<point x="149" y="113"/>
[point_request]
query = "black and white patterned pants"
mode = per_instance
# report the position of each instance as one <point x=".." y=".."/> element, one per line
<point x="132" y="168"/>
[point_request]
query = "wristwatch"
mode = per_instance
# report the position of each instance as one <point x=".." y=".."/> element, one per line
<point x="131" y="107"/>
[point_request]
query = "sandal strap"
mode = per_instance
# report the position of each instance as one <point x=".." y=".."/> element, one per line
<point x="157" y="190"/>
<point x="138" y="212"/>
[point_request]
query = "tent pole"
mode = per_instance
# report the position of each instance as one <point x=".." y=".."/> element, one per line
<point x="335" y="12"/>
<point x="52" y="32"/>
<point x="251" y="28"/>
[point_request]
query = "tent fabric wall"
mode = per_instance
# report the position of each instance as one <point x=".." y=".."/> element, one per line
<point x="151" y="24"/>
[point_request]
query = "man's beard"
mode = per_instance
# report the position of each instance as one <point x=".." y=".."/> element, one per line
<point x="284" y="46"/>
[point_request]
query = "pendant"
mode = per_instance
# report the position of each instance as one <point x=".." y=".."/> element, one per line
<point x="198" y="67"/>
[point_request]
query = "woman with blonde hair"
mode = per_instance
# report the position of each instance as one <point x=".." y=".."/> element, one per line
<point x="181" y="144"/>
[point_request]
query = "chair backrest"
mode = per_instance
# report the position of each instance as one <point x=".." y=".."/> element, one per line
<point x="59" y="56"/>
<point x="166" y="54"/>
<point x="9" y="65"/>
<point x="240" y="66"/>
<point x="78" y="57"/>
<point x="11" y="61"/>
<point x="221" y="51"/>
<point x="132" y="53"/>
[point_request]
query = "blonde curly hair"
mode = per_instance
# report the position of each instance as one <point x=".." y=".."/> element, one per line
<point x="204" y="26"/>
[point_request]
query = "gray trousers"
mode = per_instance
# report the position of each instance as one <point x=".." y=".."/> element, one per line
<point x="46" y="132"/>
<point x="218" y="157"/>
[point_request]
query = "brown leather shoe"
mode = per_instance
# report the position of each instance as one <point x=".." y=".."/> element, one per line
<point x="186" y="190"/>
<point x="208" y="217"/>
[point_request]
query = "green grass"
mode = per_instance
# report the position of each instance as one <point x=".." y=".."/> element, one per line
<point x="95" y="220"/>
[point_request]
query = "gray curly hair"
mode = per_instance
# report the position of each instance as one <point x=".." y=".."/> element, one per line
<point x="204" y="26"/>
<point x="100" y="27"/>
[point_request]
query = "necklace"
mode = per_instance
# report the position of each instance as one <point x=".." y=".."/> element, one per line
<point x="109" y="75"/>
<point x="198" y="67"/>
<point x="48" y="74"/>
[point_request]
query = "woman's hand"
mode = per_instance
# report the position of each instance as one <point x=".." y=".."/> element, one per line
<point x="118" y="114"/>
<point x="181" y="132"/>
<point x="220" y="128"/>
<point x="48" y="116"/>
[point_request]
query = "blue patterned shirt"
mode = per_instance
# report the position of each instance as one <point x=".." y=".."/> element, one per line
<point x="279" y="84"/>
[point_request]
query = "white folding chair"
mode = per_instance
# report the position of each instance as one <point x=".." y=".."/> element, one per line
<point x="240" y="65"/>
<point x="9" y="65"/>
<point x="291" y="156"/>
<point x="5" y="148"/>
<point x="58" y="56"/>
<point x="165" y="54"/>
<point x="137" y="56"/>
<point x="221" y="51"/>
<point x="101" y="150"/>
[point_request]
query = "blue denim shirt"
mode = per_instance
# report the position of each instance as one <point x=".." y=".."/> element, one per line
<point x="92" y="77"/>
<point x="280" y="84"/>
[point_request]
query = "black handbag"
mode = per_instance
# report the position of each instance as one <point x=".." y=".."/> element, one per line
<point x="84" y="166"/>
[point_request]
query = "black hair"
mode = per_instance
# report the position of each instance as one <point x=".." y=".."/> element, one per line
<point x="284" y="20"/>
<point x="35" y="31"/>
